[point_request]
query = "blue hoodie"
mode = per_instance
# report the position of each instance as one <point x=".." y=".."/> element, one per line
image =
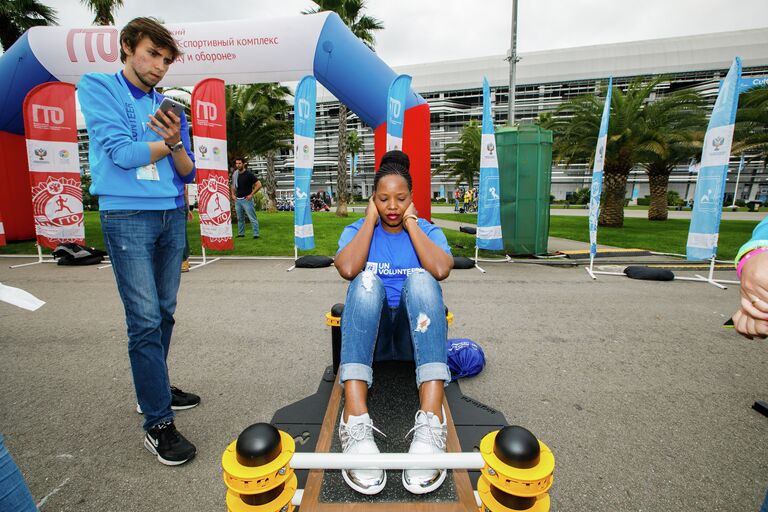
<point x="115" y="114"/>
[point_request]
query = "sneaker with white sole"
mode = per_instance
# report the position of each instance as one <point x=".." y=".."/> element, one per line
<point x="171" y="448"/>
<point x="357" y="437"/>
<point x="429" y="436"/>
<point x="180" y="400"/>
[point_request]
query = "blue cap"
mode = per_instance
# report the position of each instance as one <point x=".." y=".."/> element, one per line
<point x="465" y="358"/>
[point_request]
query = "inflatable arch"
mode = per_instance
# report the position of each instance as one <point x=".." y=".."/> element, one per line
<point x="239" y="52"/>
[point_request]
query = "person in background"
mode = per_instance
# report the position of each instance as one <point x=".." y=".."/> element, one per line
<point x="14" y="493"/>
<point x="244" y="185"/>
<point x="185" y="257"/>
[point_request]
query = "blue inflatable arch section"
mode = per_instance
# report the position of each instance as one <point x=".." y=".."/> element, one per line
<point x="342" y="63"/>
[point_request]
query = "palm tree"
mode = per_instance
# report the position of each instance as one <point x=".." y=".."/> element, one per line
<point x="362" y="26"/>
<point x="628" y="144"/>
<point x="354" y="145"/>
<point x="103" y="10"/>
<point x="18" y="16"/>
<point x="751" y="130"/>
<point x="257" y="125"/>
<point x="462" y="158"/>
<point x="676" y="123"/>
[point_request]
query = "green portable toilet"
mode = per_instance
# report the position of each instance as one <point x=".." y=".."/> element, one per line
<point x="525" y="178"/>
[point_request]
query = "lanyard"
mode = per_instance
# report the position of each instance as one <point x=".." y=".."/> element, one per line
<point x="141" y="125"/>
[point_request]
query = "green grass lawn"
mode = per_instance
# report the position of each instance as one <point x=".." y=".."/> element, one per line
<point x="276" y="230"/>
<point x="667" y="236"/>
<point x="276" y="236"/>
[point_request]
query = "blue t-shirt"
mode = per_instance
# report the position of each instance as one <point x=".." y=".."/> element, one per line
<point x="392" y="256"/>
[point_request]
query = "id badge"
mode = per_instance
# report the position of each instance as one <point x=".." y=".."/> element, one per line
<point x="147" y="172"/>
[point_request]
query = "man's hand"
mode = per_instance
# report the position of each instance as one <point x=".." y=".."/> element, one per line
<point x="751" y="320"/>
<point x="166" y="125"/>
<point x="371" y="213"/>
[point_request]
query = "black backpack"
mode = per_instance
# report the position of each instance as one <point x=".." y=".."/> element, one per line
<point x="76" y="254"/>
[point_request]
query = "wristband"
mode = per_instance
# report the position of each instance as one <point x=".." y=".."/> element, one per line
<point x="743" y="260"/>
<point x="411" y="216"/>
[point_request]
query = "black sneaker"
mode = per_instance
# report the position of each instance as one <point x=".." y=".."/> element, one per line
<point x="180" y="400"/>
<point x="168" y="444"/>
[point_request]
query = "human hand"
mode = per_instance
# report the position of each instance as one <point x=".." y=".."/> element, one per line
<point x="751" y="320"/>
<point x="408" y="216"/>
<point x="371" y="213"/>
<point x="167" y="125"/>
<point x="189" y="215"/>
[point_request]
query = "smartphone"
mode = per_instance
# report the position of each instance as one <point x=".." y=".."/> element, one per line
<point x="169" y="105"/>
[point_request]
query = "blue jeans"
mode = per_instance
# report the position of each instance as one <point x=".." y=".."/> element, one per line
<point x="145" y="247"/>
<point x="414" y="331"/>
<point x="14" y="493"/>
<point x="245" y="207"/>
<point x="764" y="508"/>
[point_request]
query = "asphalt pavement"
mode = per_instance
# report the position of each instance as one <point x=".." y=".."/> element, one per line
<point x="644" y="399"/>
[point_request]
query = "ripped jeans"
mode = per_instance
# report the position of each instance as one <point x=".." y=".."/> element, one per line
<point x="416" y="330"/>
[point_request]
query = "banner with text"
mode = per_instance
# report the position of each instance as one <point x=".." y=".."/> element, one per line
<point x="710" y="183"/>
<point x="304" y="161"/>
<point x="597" y="171"/>
<point x="488" y="205"/>
<point x="209" y="126"/>
<point x="50" y="125"/>
<point x="398" y="91"/>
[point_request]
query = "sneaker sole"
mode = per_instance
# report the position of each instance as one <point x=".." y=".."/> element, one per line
<point x="370" y="491"/>
<point x="425" y="490"/>
<point x="167" y="462"/>
<point x="173" y="407"/>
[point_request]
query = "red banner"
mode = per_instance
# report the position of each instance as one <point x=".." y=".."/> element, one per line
<point x="50" y="127"/>
<point x="209" y="125"/>
<point x="2" y="231"/>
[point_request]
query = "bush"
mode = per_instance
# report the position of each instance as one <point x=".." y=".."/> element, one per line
<point x="259" y="201"/>
<point x="89" y="202"/>
<point x="644" y="201"/>
<point x="580" y="196"/>
<point x="674" y="199"/>
<point x="741" y="203"/>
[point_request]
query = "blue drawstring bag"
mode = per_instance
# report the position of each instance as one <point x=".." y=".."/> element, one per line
<point x="465" y="358"/>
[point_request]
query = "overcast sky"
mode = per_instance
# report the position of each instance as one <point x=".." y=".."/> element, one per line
<point x="419" y="31"/>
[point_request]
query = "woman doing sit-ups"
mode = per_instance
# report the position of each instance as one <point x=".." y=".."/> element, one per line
<point x="394" y="311"/>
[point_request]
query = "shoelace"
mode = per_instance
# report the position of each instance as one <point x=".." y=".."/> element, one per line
<point x="426" y="433"/>
<point x="168" y="429"/>
<point x="360" y="431"/>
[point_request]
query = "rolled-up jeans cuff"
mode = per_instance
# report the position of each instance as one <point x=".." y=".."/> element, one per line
<point x="356" y="371"/>
<point x="432" y="371"/>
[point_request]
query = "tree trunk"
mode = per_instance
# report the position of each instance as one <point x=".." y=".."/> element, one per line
<point x="614" y="190"/>
<point x="270" y="183"/>
<point x="658" y="208"/>
<point x="342" y="189"/>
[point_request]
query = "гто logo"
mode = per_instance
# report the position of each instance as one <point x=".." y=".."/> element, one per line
<point x="49" y="115"/>
<point x="63" y="153"/>
<point x="216" y="150"/>
<point x="105" y="43"/>
<point x="207" y="111"/>
<point x="58" y="202"/>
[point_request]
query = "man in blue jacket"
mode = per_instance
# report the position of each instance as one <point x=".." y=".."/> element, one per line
<point x="140" y="159"/>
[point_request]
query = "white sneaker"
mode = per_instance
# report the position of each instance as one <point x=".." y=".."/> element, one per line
<point x="357" y="437"/>
<point x="429" y="436"/>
